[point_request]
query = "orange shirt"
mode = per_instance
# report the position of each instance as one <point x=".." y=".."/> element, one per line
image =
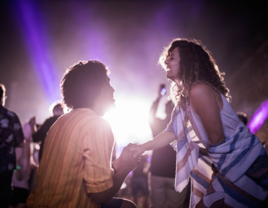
<point x="76" y="160"/>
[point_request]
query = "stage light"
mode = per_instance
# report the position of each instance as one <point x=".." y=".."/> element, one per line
<point x="129" y="123"/>
<point x="259" y="117"/>
<point x="36" y="39"/>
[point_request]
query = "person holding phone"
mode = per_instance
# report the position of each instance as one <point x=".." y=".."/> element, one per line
<point x="163" y="162"/>
<point x="227" y="164"/>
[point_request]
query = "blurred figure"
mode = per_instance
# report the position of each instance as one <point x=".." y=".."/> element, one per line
<point x="76" y="168"/>
<point x="163" y="163"/>
<point x="34" y="162"/>
<point x="41" y="133"/>
<point x="139" y="182"/>
<point x="21" y="176"/>
<point x="242" y="117"/>
<point x="11" y="136"/>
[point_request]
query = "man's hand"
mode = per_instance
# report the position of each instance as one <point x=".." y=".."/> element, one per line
<point x="127" y="156"/>
<point x="122" y="165"/>
<point x="126" y="159"/>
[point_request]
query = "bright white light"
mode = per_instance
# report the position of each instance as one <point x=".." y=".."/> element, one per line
<point x="129" y="123"/>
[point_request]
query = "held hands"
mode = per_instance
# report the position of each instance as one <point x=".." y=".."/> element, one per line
<point x="127" y="157"/>
<point x="137" y="151"/>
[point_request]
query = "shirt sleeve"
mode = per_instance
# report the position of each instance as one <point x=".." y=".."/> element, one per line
<point x="98" y="146"/>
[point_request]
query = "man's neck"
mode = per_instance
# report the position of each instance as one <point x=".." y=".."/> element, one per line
<point x="94" y="108"/>
<point x="97" y="109"/>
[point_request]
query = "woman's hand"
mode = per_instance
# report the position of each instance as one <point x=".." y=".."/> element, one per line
<point x="137" y="150"/>
<point x="126" y="159"/>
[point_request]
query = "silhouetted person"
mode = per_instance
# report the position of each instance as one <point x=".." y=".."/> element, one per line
<point x="76" y="168"/>
<point x="20" y="179"/>
<point x="11" y="136"/>
<point x="163" y="164"/>
<point x="139" y="182"/>
<point x="41" y="133"/>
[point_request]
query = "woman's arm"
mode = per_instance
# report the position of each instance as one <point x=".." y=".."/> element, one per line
<point x="161" y="140"/>
<point x="207" y="104"/>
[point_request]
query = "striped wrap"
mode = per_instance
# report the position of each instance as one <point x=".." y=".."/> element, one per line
<point x="240" y="166"/>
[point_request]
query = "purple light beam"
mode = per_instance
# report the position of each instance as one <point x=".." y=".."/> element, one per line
<point x="34" y="35"/>
<point x="259" y="117"/>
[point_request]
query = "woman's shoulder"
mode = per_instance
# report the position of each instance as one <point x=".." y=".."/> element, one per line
<point x="205" y="95"/>
<point x="201" y="88"/>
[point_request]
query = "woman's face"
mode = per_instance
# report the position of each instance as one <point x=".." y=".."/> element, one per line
<point x="173" y="64"/>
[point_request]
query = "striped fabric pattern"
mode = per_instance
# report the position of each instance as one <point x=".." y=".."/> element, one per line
<point x="187" y="152"/>
<point x="76" y="160"/>
<point x="238" y="176"/>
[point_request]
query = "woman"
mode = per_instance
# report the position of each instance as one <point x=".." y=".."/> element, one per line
<point x="227" y="164"/>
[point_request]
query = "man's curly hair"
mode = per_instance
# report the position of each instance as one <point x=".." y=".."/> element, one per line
<point x="82" y="83"/>
<point x="196" y="65"/>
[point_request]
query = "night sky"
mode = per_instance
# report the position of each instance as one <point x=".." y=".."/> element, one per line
<point x="41" y="39"/>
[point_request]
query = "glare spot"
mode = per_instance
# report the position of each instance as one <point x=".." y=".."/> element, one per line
<point x="129" y="123"/>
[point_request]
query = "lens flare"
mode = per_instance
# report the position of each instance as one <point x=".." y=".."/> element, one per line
<point x="129" y="123"/>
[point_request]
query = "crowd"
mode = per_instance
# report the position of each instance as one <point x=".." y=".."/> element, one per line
<point x="202" y="148"/>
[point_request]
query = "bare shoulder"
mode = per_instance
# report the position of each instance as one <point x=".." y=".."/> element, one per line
<point x="201" y="89"/>
<point x="203" y="95"/>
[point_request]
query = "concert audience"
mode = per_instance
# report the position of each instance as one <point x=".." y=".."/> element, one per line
<point x="11" y="136"/>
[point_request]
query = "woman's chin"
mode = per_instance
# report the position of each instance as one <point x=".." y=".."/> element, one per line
<point x="170" y="77"/>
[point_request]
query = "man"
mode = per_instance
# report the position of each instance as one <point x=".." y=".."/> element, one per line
<point x="163" y="164"/>
<point x="40" y="134"/>
<point x="11" y="136"/>
<point x="76" y="169"/>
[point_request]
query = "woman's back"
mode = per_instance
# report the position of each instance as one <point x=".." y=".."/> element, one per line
<point x="229" y="121"/>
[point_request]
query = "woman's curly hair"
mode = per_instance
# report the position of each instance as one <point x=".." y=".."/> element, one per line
<point x="196" y="65"/>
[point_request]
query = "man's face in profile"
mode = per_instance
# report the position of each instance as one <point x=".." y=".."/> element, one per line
<point x="107" y="95"/>
<point x="3" y="99"/>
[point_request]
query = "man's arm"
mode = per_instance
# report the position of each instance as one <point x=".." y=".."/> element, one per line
<point x="122" y="166"/>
